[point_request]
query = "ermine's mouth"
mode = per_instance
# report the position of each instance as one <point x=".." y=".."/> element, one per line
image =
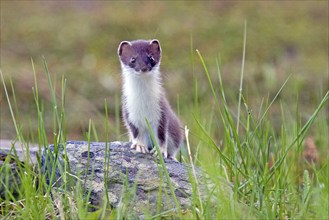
<point x="142" y="71"/>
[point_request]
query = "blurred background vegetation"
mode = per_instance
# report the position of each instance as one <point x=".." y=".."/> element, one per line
<point x="79" y="41"/>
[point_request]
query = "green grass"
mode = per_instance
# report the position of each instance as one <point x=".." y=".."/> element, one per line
<point x="262" y="164"/>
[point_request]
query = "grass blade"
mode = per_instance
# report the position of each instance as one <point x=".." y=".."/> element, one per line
<point x="241" y="77"/>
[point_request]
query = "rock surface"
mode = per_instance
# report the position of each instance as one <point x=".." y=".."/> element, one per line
<point x="126" y="169"/>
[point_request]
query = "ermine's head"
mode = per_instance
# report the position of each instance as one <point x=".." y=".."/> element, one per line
<point x="141" y="55"/>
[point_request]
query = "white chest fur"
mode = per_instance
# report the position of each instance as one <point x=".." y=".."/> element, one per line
<point x="142" y="92"/>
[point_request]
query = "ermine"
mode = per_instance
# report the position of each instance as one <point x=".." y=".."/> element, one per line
<point x="143" y="97"/>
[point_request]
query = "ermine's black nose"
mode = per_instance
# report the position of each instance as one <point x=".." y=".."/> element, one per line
<point x="144" y="69"/>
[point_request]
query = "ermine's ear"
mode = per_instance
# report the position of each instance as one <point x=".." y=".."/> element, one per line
<point x="155" y="45"/>
<point x="123" y="46"/>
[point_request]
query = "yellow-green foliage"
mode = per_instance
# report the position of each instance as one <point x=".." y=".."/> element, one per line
<point x="79" y="39"/>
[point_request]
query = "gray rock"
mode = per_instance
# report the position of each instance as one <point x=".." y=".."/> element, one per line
<point x="115" y="174"/>
<point x="126" y="169"/>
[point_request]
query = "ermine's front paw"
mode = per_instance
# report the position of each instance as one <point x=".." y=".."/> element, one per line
<point x="139" y="148"/>
<point x="162" y="150"/>
<point x="172" y="158"/>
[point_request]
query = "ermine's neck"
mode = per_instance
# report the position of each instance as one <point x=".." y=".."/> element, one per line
<point x="143" y="85"/>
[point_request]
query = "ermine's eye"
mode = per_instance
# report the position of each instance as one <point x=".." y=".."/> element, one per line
<point x="133" y="60"/>
<point x="152" y="60"/>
